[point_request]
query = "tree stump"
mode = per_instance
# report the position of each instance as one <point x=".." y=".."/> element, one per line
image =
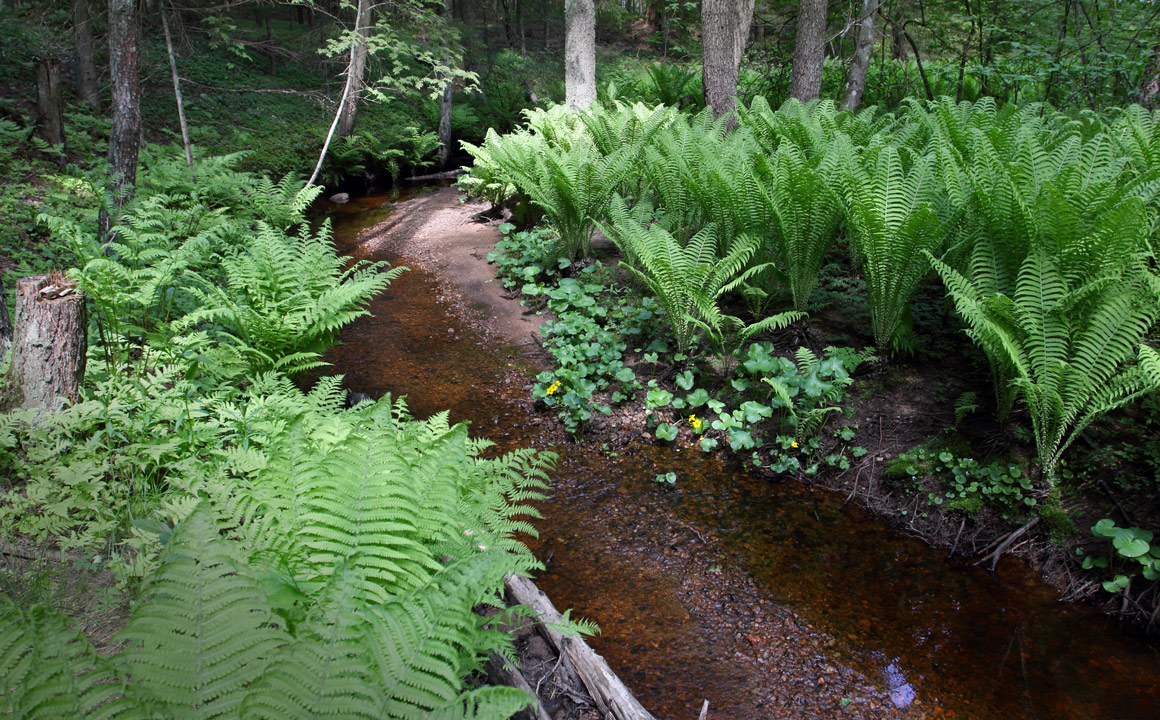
<point x="49" y="344"/>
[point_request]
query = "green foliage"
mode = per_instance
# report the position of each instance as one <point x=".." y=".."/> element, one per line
<point x="1068" y="342"/>
<point x="966" y="484"/>
<point x="893" y="208"/>
<point x="689" y="280"/>
<point x="1133" y="554"/>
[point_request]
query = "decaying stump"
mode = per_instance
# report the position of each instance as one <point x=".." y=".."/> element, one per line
<point x="614" y="700"/>
<point x="48" y="345"/>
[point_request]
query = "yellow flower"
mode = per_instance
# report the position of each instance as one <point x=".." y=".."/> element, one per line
<point x="793" y="444"/>
<point x="695" y="422"/>
<point x="553" y="388"/>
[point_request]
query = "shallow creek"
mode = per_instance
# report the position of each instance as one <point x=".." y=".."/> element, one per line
<point x="770" y="600"/>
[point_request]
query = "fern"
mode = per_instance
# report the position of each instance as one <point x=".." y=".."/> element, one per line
<point x="688" y="280"/>
<point x="895" y="216"/>
<point x="805" y="214"/>
<point x="1067" y="346"/>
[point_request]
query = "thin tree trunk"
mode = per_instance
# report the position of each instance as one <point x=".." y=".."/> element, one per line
<point x="918" y="61"/>
<point x="963" y="62"/>
<point x="86" y="55"/>
<point x="1150" y="93"/>
<point x="860" y="62"/>
<point x="125" y="136"/>
<point x="725" y="31"/>
<point x="49" y="103"/>
<point x="49" y="345"/>
<point x="445" y="104"/>
<point x="270" y="46"/>
<point x="579" y="53"/>
<point x="809" y="50"/>
<point x="520" y="27"/>
<point x="898" y="49"/>
<point x="356" y="69"/>
<point x="5" y="323"/>
<point x="177" y="91"/>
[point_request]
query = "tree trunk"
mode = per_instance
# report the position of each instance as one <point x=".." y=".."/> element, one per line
<point x="809" y="51"/>
<point x="356" y="69"/>
<point x="898" y="48"/>
<point x="49" y="345"/>
<point x="725" y="30"/>
<point x="520" y="27"/>
<point x="125" y="136"/>
<point x="86" y="55"/>
<point x="918" y="62"/>
<point x="579" y="53"/>
<point x="445" y="104"/>
<point x="49" y="104"/>
<point x="177" y="91"/>
<point x="1150" y="93"/>
<point x="5" y="323"/>
<point x="860" y="62"/>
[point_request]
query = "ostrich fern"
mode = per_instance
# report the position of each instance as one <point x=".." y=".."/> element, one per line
<point x="894" y="214"/>
<point x="805" y="213"/>
<point x="689" y="280"/>
<point x="1068" y="347"/>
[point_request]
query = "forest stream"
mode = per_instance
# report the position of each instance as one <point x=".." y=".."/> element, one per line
<point x="768" y="599"/>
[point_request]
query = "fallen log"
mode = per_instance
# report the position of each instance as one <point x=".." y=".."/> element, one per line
<point x="48" y="344"/>
<point x="501" y="672"/>
<point x="612" y="698"/>
<point x="446" y="175"/>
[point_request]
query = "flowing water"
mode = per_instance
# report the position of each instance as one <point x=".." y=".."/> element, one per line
<point x="770" y="600"/>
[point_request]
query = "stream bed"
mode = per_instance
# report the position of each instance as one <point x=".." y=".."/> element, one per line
<point x="768" y="599"/>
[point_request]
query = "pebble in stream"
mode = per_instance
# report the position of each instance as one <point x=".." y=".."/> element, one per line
<point x="768" y="599"/>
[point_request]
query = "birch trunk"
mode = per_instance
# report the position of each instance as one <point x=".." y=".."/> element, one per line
<point x="177" y="91"/>
<point x="579" y="53"/>
<point x="355" y="70"/>
<point x="860" y="62"/>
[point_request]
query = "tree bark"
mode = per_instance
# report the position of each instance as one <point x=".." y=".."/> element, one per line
<point x="860" y="62"/>
<point x="355" y="70"/>
<point x="5" y="323"/>
<point x="725" y="31"/>
<point x="809" y="51"/>
<point x="125" y="136"/>
<point x="918" y="62"/>
<point x="445" y="104"/>
<point x="177" y="91"/>
<point x="579" y="53"/>
<point x="1150" y="93"/>
<point x="612" y="698"/>
<point x="86" y="54"/>
<point x="49" y="345"/>
<point x="520" y="27"/>
<point x="49" y="103"/>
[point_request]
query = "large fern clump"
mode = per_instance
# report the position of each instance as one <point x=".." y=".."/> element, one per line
<point x="332" y="569"/>
<point x="896" y="211"/>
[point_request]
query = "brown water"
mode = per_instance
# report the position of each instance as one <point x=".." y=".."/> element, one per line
<point x="770" y="600"/>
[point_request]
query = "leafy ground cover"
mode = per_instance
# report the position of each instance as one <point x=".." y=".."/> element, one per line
<point x="1041" y="226"/>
